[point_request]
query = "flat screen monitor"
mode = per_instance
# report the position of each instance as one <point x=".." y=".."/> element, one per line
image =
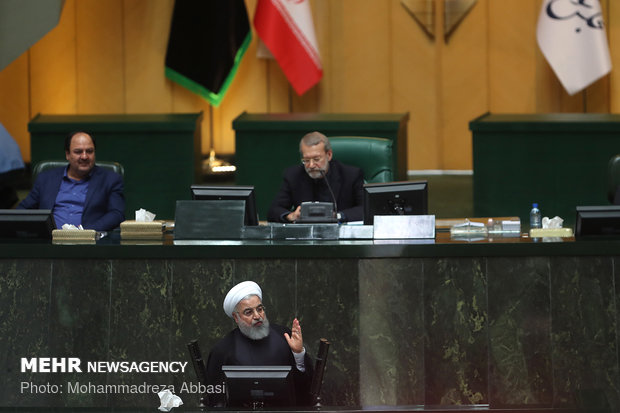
<point x="259" y="386"/>
<point x="601" y="220"/>
<point x="243" y="193"/>
<point x="26" y="223"/>
<point x="395" y="198"/>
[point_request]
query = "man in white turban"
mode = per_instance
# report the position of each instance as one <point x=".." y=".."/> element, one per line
<point x="256" y="342"/>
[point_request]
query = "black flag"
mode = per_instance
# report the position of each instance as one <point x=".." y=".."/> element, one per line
<point x="207" y="41"/>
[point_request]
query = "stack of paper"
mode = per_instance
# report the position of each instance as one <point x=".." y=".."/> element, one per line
<point x="469" y="228"/>
<point x="511" y="226"/>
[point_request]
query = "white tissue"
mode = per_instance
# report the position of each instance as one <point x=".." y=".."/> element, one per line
<point x="168" y="400"/>
<point x="142" y="215"/>
<point x="72" y="227"/>
<point x="555" y="222"/>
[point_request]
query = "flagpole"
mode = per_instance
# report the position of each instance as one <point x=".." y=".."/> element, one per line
<point x="584" y="97"/>
<point x="290" y="98"/>
<point x="213" y="165"/>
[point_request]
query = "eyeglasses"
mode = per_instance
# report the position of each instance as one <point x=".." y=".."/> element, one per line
<point x="248" y="312"/>
<point x="308" y="161"/>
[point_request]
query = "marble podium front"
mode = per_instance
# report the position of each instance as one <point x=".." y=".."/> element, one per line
<point x="494" y="324"/>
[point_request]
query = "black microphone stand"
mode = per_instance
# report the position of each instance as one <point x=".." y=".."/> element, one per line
<point x="324" y="175"/>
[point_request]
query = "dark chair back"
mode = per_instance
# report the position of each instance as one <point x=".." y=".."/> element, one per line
<point x="613" y="177"/>
<point x="49" y="164"/>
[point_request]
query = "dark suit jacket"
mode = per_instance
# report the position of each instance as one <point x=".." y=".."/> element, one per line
<point x="104" y="207"/>
<point x="346" y="181"/>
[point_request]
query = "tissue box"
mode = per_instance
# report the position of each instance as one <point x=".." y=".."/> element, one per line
<point x="138" y="226"/>
<point x="142" y="230"/>
<point x="551" y="232"/>
<point x="74" y="235"/>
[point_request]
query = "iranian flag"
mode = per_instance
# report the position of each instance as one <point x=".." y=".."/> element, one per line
<point x="571" y="35"/>
<point x="287" y="29"/>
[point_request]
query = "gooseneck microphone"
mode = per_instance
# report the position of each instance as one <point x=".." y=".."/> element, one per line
<point x="324" y="175"/>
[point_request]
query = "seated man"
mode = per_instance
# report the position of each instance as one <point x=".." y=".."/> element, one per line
<point x="256" y="342"/>
<point x="306" y="182"/>
<point x="80" y="193"/>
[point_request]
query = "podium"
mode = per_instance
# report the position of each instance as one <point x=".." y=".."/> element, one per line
<point x="557" y="160"/>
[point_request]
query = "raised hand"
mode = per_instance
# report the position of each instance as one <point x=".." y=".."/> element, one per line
<point x="295" y="340"/>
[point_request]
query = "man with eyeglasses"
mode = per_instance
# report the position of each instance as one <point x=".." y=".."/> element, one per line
<point x="256" y="342"/>
<point x="307" y="182"/>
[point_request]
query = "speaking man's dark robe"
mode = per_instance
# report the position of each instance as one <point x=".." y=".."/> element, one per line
<point x="238" y="350"/>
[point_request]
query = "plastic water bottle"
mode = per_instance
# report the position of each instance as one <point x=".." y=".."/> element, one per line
<point x="535" y="217"/>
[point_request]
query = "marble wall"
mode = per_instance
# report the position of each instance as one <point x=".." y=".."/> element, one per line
<point x="514" y="331"/>
<point x="503" y="332"/>
<point x="143" y="310"/>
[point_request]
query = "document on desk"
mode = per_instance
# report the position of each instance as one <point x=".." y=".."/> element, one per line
<point x="404" y="226"/>
<point x="469" y="228"/>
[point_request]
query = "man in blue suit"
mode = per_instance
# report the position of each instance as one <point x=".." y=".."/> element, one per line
<point x="80" y="193"/>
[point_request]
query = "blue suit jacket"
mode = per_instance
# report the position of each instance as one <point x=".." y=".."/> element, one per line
<point x="104" y="208"/>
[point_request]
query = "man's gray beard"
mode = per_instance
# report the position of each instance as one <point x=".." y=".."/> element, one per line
<point x="314" y="174"/>
<point x="255" y="333"/>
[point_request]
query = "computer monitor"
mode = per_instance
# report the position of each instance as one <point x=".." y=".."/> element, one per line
<point x="259" y="386"/>
<point x="26" y="223"/>
<point x="243" y="193"/>
<point x="395" y="198"/>
<point x="601" y="220"/>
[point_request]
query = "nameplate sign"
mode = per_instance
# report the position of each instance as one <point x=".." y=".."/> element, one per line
<point x="404" y="226"/>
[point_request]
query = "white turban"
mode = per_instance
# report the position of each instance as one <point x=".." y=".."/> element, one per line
<point x="237" y="293"/>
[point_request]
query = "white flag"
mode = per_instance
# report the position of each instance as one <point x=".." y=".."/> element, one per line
<point x="571" y="35"/>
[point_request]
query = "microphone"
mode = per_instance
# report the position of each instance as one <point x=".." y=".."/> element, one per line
<point x="330" y="190"/>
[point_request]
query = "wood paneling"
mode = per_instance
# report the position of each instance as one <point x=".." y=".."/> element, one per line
<point x="14" y="110"/>
<point x="107" y="56"/>
<point x="512" y="59"/>
<point x="99" y="56"/>
<point x="359" y="57"/>
<point x="464" y="86"/>
<point x="414" y="87"/>
<point x="146" y="28"/>
<point x="53" y="75"/>
<point x="613" y="33"/>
